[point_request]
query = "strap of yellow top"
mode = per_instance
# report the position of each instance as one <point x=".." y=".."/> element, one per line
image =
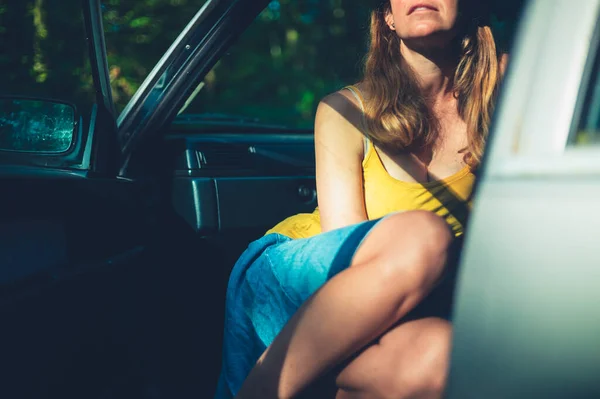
<point x="358" y="95"/>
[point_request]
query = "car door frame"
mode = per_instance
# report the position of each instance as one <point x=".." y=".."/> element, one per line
<point x="207" y="36"/>
<point x="102" y="148"/>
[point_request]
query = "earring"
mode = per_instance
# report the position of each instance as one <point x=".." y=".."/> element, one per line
<point x="393" y="25"/>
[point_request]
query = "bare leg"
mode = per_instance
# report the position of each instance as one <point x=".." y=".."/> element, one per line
<point x="409" y="361"/>
<point x="392" y="271"/>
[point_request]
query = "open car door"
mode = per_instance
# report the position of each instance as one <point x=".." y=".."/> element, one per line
<point x="526" y="319"/>
<point x="73" y="233"/>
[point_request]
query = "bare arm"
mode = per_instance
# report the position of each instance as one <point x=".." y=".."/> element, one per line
<point x="339" y="153"/>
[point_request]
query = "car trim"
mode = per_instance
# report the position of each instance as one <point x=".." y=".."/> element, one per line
<point x="104" y="157"/>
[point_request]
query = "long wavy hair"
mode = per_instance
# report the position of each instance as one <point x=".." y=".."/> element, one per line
<point x="398" y="117"/>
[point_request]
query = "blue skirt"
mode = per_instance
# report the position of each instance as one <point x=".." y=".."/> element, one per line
<point x="268" y="284"/>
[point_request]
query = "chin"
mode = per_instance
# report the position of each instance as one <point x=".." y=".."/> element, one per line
<point x="428" y="36"/>
<point x="423" y="30"/>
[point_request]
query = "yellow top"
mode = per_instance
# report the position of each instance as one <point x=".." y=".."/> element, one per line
<point x="450" y="198"/>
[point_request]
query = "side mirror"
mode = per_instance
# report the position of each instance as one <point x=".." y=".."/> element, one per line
<point x="36" y="125"/>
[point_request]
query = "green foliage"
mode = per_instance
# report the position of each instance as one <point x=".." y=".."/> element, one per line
<point x="294" y="53"/>
<point x="43" y="51"/>
<point x="138" y="33"/>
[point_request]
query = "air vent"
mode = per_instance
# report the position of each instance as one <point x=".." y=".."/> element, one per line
<point x="217" y="156"/>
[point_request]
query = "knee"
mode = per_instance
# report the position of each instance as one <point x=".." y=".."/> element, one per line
<point x="410" y="245"/>
<point x="432" y="366"/>
<point x="424" y="232"/>
<point x="422" y="371"/>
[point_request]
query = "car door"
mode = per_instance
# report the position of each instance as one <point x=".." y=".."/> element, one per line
<point x="526" y="320"/>
<point x="73" y="234"/>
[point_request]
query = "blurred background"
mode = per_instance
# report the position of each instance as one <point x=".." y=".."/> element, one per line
<point x="294" y="53"/>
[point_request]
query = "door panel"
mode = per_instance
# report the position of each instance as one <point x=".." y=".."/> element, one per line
<point x="30" y="248"/>
<point x="259" y="202"/>
<point x="228" y="183"/>
<point x="73" y="251"/>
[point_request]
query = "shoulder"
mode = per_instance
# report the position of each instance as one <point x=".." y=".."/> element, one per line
<point x="342" y="101"/>
<point x="339" y="121"/>
<point x="341" y="107"/>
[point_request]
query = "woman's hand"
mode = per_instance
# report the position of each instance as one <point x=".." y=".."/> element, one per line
<point x="339" y="149"/>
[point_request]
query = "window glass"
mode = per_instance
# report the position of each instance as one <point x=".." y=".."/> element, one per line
<point x="138" y="33"/>
<point x="43" y="51"/>
<point x="587" y="131"/>
<point x="293" y="54"/>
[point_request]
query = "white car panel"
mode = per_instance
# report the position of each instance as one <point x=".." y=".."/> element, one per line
<point x="527" y="311"/>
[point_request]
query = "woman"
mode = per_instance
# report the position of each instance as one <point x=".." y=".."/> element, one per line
<point x="331" y="290"/>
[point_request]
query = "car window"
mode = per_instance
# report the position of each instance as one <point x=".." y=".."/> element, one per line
<point x="293" y="54"/>
<point x="43" y="52"/>
<point x="587" y="130"/>
<point x="138" y="33"/>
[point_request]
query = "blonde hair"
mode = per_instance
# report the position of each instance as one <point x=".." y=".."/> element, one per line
<point x="398" y="116"/>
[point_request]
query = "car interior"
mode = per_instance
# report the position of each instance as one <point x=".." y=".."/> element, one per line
<point x="126" y="299"/>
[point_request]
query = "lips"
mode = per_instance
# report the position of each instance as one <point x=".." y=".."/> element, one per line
<point x="421" y="6"/>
